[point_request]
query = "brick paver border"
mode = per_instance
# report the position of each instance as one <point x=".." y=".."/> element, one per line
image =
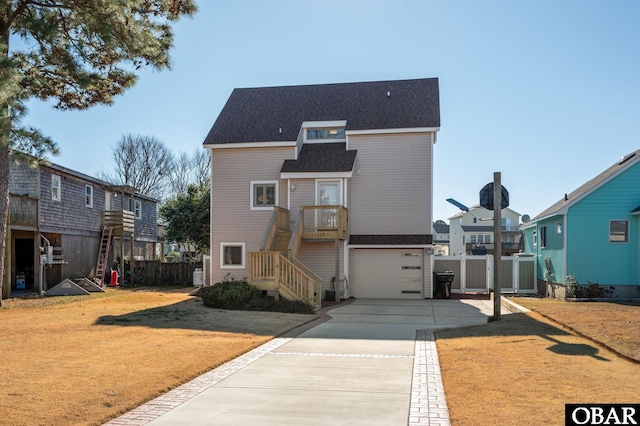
<point x="428" y="401"/>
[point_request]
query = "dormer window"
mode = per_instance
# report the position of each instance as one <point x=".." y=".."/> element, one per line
<point x="327" y="133"/>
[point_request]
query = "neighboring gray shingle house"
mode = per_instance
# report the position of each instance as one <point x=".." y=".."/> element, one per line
<point x="331" y="183"/>
<point x="51" y="205"/>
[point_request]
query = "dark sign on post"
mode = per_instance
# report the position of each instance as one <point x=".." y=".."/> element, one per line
<point x="486" y="197"/>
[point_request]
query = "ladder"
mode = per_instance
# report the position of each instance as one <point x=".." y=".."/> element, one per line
<point x="103" y="255"/>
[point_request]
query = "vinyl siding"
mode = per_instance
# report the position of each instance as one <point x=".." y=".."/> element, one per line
<point x="232" y="219"/>
<point x="591" y="257"/>
<point x="304" y="195"/>
<point x="321" y="259"/>
<point x="554" y="249"/>
<point x="391" y="188"/>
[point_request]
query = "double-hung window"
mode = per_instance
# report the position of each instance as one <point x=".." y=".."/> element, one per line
<point x="56" y="183"/>
<point x="137" y="209"/>
<point x="618" y="231"/>
<point x="88" y="192"/>
<point x="264" y="195"/>
<point x="134" y="206"/>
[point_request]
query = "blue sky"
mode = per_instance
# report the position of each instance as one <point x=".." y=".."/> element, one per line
<point x="546" y="92"/>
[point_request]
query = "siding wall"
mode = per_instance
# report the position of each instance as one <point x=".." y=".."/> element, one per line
<point x="304" y="195"/>
<point x="554" y="250"/>
<point x="591" y="257"/>
<point x="69" y="215"/>
<point x="391" y="189"/>
<point x="23" y="180"/>
<point x="321" y="259"/>
<point x="232" y="220"/>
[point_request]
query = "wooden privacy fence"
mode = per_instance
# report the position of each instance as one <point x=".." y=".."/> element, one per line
<point x="160" y="274"/>
<point x="474" y="274"/>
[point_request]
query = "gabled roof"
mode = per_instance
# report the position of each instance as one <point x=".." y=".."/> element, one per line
<point x="321" y="157"/>
<point x="561" y="206"/>
<point x="272" y="114"/>
<point x="441" y="228"/>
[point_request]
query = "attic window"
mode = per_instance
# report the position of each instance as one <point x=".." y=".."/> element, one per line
<point x="326" y="133"/>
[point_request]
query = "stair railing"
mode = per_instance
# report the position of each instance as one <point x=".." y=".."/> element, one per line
<point x="296" y="237"/>
<point x="279" y="220"/>
<point x="288" y="275"/>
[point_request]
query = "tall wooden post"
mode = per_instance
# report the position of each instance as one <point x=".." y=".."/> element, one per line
<point x="497" y="235"/>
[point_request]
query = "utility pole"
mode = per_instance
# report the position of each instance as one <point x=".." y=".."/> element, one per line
<point x="497" y="235"/>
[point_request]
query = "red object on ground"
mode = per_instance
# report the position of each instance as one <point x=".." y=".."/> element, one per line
<point x="114" y="279"/>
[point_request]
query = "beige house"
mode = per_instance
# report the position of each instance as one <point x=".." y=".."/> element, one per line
<point x="326" y="190"/>
<point x="471" y="232"/>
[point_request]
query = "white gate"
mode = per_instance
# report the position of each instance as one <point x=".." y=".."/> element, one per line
<point x="474" y="274"/>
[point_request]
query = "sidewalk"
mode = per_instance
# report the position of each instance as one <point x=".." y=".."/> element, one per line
<point x="373" y="362"/>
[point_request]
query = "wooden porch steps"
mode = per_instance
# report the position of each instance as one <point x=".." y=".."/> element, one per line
<point x="281" y="242"/>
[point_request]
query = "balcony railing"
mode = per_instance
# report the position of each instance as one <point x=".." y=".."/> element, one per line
<point x="324" y="222"/>
<point x="489" y="247"/>
<point x="23" y="211"/>
<point x="121" y="221"/>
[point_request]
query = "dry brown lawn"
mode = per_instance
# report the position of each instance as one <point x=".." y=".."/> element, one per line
<point x="86" y="359"/>
<point x="523" y="369"/>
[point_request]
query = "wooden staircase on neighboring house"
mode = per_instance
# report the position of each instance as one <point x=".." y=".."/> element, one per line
<point x="103" y="255"/>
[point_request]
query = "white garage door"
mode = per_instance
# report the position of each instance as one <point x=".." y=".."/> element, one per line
<point x="388" y="273"/>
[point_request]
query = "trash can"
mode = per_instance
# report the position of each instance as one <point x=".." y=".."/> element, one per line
<point x="330" y="296"/>
<point x="442" y="284"/>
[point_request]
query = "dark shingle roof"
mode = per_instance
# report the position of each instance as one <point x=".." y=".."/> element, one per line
<point x="321" y="157"/>
<point x="258" y="114"/>
<point x="571" y="198"/>
<point x="441" y="229"/>
<point x="391" y="240"/>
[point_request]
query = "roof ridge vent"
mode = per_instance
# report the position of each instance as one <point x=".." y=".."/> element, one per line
<point x="627" y="158"/>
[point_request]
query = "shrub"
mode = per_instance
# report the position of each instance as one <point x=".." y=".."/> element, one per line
<point x="590" y="291"/>
<point x="572" y="285"/>
<point x="229" y="295"/>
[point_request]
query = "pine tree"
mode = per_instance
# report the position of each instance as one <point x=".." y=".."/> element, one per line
<point x="78" y="53"/>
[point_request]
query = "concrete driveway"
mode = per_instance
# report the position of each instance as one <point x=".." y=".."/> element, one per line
<point x="374" y="362"/>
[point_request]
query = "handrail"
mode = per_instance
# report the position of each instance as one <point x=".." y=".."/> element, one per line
<point x="279" y="220"/>
<point x="296" y="237"/>
<point x="282" y="218"/>
<point x="267" y="240"/>
<point x="271" y="265"/>
<point x="325" y="218"/>
<point x="317" y="281"/>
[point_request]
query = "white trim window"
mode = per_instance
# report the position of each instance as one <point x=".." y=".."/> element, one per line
<point x="88" y="199"/>
<point x="232" y="255"/>
<point x="56" y="184"/>
<point x="137" y="209"/>
<point x="264" y="194"/>
<point x="618" y="231"/>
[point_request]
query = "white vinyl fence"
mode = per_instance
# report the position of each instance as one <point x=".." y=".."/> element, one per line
<point x="474" y="274"/>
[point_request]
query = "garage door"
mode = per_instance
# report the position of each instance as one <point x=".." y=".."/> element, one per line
<point x="388" y="273"/>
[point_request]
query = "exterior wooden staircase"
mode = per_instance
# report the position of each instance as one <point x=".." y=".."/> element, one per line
<point x="275" y="267"/>
<point x="281" y="242"/>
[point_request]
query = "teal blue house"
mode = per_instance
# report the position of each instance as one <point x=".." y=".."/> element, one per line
<point x="593" y="233"/>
